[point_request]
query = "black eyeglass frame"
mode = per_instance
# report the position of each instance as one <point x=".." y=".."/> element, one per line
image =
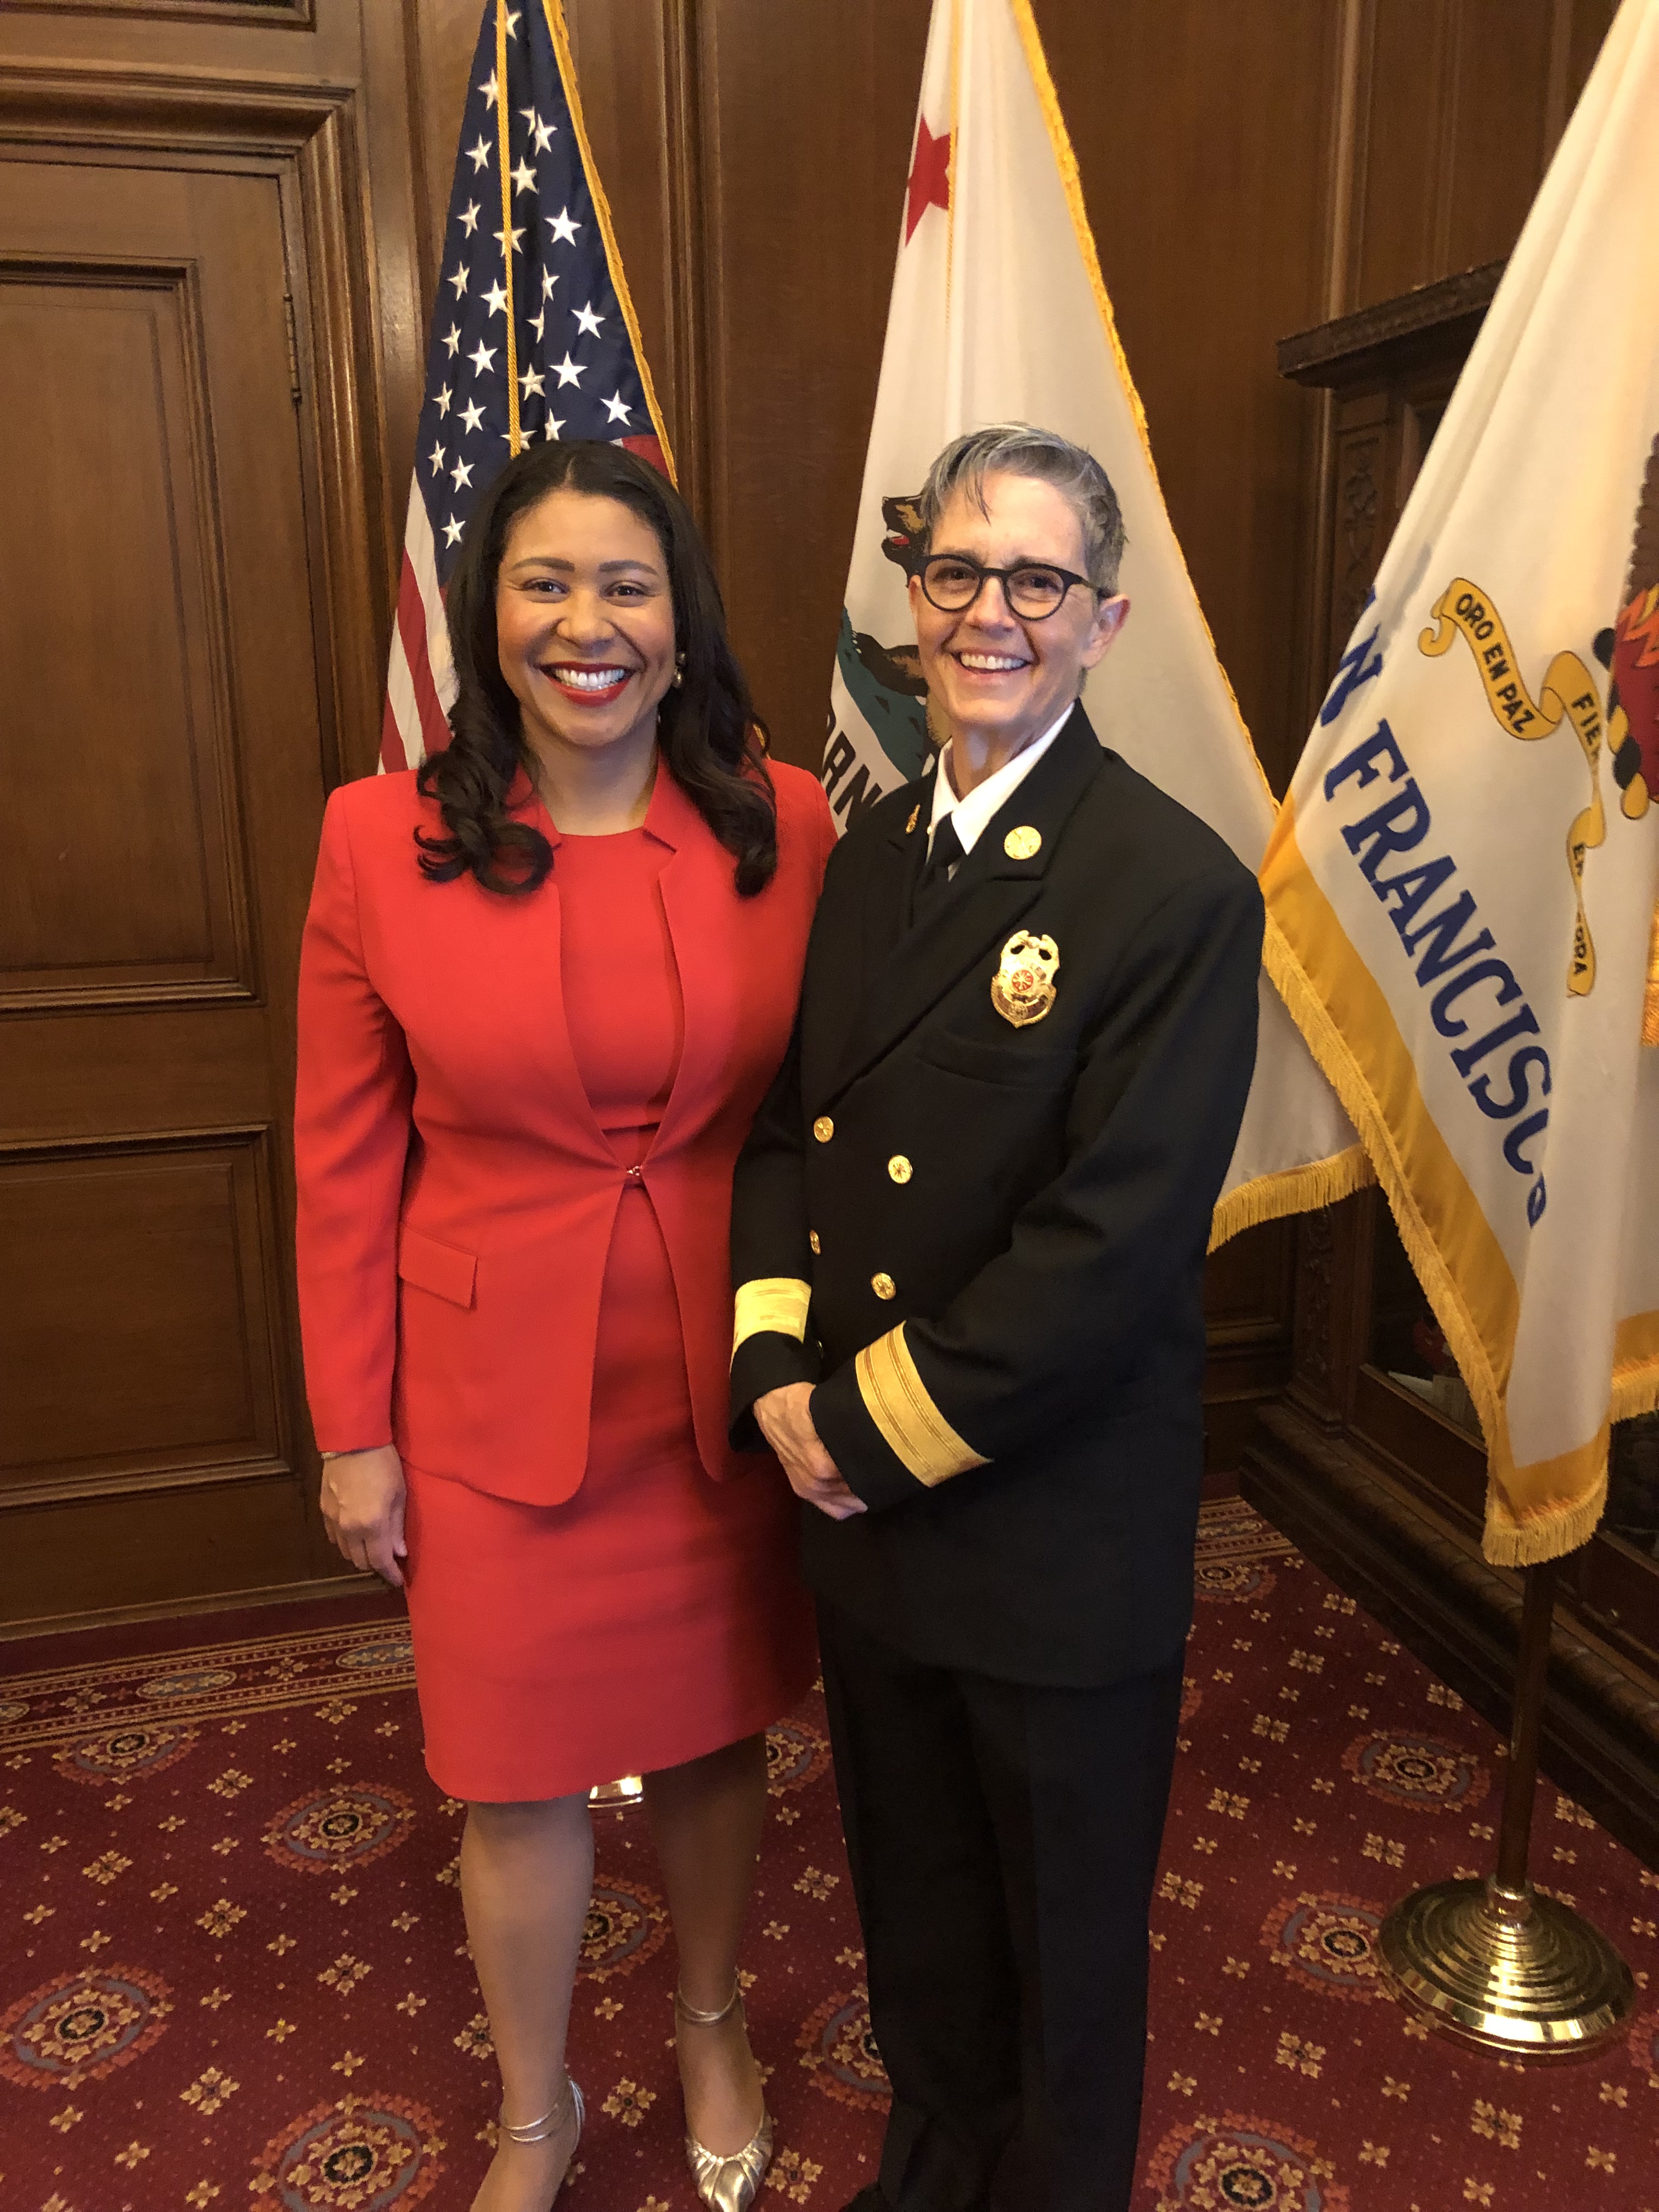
<point x="1003" y="577"/>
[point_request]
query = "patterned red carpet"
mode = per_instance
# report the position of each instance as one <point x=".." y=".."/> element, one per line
<point x="234" y="1973"/>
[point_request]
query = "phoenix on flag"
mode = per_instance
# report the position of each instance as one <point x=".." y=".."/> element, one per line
<point x="1461" y="886"/>
<point x="533" y="336"/>
<point x="1000" y="313"/>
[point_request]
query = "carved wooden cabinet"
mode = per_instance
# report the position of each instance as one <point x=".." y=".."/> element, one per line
<point x="1373" y="1458"/>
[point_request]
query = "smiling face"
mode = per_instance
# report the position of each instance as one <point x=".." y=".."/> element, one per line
<point x="1000" y="681"/>
<point x="584" y="623"/>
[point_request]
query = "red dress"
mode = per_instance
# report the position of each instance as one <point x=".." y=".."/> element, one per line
<point x="656" y="1614"/>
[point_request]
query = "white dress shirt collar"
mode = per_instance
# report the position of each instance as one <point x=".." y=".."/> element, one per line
<point x="973" y="812"/>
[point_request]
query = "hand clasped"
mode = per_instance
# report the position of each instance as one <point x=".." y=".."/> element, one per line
<point x="785" y="1422"/>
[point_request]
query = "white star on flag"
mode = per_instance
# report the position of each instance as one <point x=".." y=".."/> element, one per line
<point x="469" y="217"/>
<point x="587" y="320"/>
<point x="616" y="409"/>
<point x="479" y="154"/>
<point x="562" y="227"/>
<point x="482" y="357"/>
<point x="568" y="369"/>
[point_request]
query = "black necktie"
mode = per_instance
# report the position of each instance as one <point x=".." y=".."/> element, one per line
<point x="935" y="880"/>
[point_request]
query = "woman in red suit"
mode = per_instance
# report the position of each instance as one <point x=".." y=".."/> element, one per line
<point x="545" y="985"/>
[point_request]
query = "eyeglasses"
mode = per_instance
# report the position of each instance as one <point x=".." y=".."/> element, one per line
<point x="1034" y="589"/>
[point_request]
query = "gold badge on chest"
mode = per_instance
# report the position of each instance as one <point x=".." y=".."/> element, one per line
<point x="1023" y="989"/>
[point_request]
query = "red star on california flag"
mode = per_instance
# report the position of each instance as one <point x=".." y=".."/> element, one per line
<point x="930" y="177"/>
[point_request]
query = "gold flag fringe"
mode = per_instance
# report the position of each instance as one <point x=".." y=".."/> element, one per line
<point x="1508" y="1542"/>
<point x="1651" y="1001"/>
<point x="1291" y="1190"/>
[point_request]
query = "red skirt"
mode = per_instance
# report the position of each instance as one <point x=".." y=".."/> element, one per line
<point x="655" y="1616"/>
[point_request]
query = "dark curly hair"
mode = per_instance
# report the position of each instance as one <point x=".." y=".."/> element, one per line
<point x="710" y="738"/>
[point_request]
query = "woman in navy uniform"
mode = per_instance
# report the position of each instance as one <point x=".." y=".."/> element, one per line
<point x="968" y="1242"/>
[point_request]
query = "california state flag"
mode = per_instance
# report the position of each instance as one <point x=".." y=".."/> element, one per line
<point x="1461" y="888"/>
<point x="999" y="314"/>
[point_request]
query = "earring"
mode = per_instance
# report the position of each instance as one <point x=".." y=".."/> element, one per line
<point x="678" y="677"/>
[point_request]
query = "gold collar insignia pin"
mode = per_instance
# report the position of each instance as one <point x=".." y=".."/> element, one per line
<point x="1023" y="989"/>
<point x="1020" y="844"/>
<point x="915" y="815"/>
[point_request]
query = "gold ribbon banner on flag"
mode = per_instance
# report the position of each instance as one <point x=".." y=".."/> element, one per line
<point x="1568" y="691"/>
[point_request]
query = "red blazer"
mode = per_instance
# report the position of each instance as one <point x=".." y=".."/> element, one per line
<point x="456" y="1194"/>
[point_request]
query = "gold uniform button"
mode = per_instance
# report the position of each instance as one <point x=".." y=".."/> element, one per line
<point x="1020" y="844"/>
<point x="812" y="1239"/>
<point x="900" y="1169"/>
<point x="823" y="1128"/>
<point x="883" y="1286"/>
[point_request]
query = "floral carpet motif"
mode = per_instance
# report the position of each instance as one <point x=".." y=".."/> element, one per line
<point x="234" y="1974"/>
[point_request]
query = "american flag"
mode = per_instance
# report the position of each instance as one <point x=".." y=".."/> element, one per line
<point x="533" y="336"/>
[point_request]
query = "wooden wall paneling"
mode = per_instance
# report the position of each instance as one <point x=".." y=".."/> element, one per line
<point x="144" y="1323"/>
<point x="1203" y="140"/>
<point x="149" y="1076"/>
<point x="440" y="36"/>
<point x="143" y="900"/>
<point x="1462" y="102"/>
<point x="808" y="114"/>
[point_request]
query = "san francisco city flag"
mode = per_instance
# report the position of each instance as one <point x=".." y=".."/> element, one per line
<point x="999" y="314"/>
<point x="1461" y="888"/>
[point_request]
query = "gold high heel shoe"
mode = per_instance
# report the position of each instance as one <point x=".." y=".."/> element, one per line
<point x="730" y="2184"/>
<point x="543" y="2130"/>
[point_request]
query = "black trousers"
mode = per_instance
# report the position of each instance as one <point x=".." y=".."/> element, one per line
<point x="1003" y="1842"/>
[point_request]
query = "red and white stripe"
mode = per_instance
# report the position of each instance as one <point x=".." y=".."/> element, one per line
<point x="420" y="684"/>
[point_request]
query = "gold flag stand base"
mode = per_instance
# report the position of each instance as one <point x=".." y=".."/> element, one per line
<point x="628" y="1791"/>
<point x="1495" y="1963"/>
<point x="1507" y="1970"/>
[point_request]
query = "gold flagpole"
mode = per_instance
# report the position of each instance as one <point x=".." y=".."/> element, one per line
<point x="1492" y="1962"/>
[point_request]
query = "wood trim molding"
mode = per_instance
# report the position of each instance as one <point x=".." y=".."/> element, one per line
<point x="311" y="135"/>
<point x="688" y="261"/>
<point x="1349" y="347"/>
<point x="261" y="15"/>
<point x="346" y="1583"/>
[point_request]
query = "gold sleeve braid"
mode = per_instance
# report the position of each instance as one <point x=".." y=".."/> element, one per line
<point x="776" y="1303"/>
<point x="898" y="1402"/>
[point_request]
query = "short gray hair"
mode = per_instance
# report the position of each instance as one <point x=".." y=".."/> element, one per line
<point x="1019" y="449"/>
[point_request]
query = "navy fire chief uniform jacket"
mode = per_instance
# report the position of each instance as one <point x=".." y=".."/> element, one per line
<point x="983" y="1240"/>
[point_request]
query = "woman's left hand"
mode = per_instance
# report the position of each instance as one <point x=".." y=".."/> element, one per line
<point x="362" y="1503"/>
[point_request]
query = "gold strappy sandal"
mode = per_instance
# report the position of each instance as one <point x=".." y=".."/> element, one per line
<point x="731" y="2184"/>
<point x="543" y="2130"/>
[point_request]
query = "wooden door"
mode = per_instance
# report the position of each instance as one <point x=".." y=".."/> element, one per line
<point x="162" y="747"/>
